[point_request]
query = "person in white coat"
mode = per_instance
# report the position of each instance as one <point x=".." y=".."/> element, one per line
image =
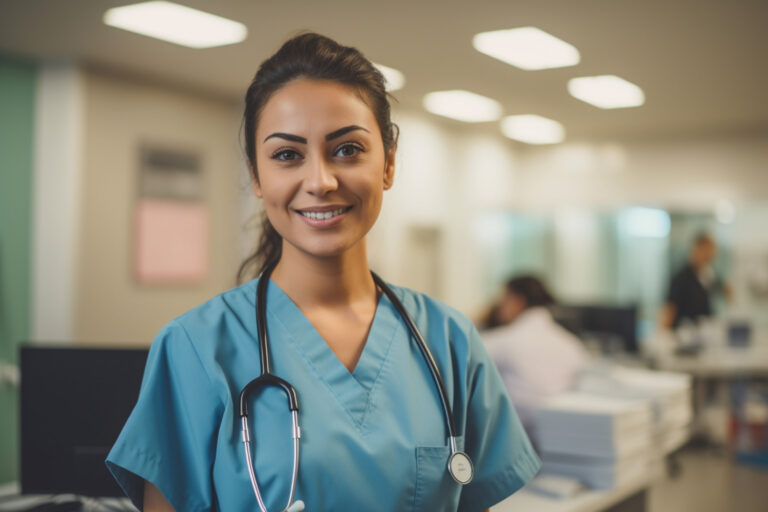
<point x="536" y="357"/>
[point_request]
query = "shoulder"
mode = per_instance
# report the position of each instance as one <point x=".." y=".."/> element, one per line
<point x="448" y="332"/>
<point x="418" y="303"/>
<point x="437" y="313"/>
<point x="232" y="303"/>
<point x="203" y="326"/>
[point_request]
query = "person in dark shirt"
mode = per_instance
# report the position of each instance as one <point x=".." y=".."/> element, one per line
<point x="692" y="286"/>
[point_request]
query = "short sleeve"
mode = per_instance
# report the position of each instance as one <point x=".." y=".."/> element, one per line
<point x="502" y="455"/>
<point x="169" y="438"/>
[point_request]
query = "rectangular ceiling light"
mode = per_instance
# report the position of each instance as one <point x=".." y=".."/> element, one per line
<point x="463" y="106"/>
<point x="606" y="91"/>
<point x="393" y="79"/>
<point x="527" y="48"/>
<point x="176" y="24"/>
<point x="532" y="129"/>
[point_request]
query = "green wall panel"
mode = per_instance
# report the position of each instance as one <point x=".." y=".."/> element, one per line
<point x="17" y="95"/>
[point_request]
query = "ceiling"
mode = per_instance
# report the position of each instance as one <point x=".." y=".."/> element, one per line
<point x="703" y="64"/>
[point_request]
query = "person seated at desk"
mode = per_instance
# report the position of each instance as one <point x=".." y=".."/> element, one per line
<point x="693" y="285"/>
<point x="536" y="357"/>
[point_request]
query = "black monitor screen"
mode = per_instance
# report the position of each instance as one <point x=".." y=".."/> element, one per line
<point x="600" y="321"/>
<point x="74" y="402"/>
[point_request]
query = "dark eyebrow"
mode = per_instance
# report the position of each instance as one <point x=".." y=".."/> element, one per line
<point x="344" y="131"/>
<point x="287" y="136"/>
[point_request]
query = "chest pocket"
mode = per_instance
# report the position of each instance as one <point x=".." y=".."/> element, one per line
<point x="435" y="489"/>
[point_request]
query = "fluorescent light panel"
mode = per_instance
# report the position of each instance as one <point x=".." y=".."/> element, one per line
<point x="463" y="106"/>
<point x="176" y="24"/>
<point x="606" y="91"/>
<point x="393" y="78"/>
<point x="527" y="48"/>
<point x="532" y="129"/>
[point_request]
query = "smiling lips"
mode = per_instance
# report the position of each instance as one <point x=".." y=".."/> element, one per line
<point x="323" y="216"/>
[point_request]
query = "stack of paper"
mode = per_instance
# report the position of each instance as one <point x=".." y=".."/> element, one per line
<point x="669" y="393"/>
<point x="602" y="441"/>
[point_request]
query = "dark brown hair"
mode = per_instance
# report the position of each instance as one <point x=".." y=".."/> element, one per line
<point x="529" y="287"/>
<point x="532" y="289"/>
<point x="317" y="57"/>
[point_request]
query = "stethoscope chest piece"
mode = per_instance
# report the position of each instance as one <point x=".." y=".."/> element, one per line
<point x="460" y="467"/>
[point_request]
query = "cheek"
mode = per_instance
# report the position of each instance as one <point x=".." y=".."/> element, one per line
<point x="372" y="194"/>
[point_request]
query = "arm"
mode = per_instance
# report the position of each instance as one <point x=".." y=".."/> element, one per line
<point x="668" y="314"/>
<point x="503" y="457"/>
<point x="176" y="396"/>
<point x="154" y="501"/>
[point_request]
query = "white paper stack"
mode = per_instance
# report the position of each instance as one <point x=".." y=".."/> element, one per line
<point x="602" y="441"/>
<point x="669" y="393"/>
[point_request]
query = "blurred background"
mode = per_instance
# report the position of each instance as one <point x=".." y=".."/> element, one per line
<point x="125" y="199"/>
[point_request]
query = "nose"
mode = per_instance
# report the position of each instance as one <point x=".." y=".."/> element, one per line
<point x="320" y="178"/>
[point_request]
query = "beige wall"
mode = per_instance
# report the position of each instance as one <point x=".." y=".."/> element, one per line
<point x="120" y="115"/>
<point x="447" y="178"/>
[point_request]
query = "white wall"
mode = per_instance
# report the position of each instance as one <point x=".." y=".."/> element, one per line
<point x="689" y="173"/>
<point x="57" y="197"/>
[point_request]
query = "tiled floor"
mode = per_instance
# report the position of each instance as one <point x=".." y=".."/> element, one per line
<point x="709" y="483"/>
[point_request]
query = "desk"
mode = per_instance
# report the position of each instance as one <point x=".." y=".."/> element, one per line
<point x="627" y="498"/>
<point x="733" y="367"/>
<point x="716" y="360"/>
<point x="12" y="501"/>
<point x="719" y="362"/>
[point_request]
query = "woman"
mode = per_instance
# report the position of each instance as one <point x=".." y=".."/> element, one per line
<point x="321" y="147"/>
<point x="535" y="356"/>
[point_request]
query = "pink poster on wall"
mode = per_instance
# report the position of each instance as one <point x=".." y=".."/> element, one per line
<point x="171" y="241"/>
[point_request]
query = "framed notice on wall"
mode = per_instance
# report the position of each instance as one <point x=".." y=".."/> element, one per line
<point x="170" y="219"/>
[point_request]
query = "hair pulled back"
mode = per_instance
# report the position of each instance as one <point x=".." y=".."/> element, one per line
<point x="313" y="56"/>
<point x="527" y="286"/>
<point x="531" y="289"/>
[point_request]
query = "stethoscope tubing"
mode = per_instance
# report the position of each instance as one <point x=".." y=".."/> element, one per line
<point x="268" y="379"/>
<point x="426" y="353"/>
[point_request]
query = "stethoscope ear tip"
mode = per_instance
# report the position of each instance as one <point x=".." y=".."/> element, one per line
<point x="296" y="506"/>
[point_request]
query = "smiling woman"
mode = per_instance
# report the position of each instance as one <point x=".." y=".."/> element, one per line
<point x="394" y="390"/>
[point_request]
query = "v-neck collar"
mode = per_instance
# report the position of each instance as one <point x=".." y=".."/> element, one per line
<point x="354" y="390"/>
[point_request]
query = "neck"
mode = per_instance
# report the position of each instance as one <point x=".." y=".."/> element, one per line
<point x="328" y="281"/>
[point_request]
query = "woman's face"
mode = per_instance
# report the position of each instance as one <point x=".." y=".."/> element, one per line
<point x="511" y="306"/>
<point x="321" y="166"/>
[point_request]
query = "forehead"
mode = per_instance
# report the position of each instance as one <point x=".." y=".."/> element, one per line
<point x="314" y="107"/>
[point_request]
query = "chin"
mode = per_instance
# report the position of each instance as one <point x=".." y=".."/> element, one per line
<point x="324" y="249"/>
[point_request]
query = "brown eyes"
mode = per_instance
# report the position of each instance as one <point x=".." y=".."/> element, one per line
<point x="286" y="155"/>
<point x="346" y="150"/>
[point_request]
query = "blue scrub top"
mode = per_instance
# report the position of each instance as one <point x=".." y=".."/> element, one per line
<point x="373" y="439"/>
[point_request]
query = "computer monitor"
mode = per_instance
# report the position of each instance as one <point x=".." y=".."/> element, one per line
<point x="609" y="324"/>
<point x="74" y="402"/>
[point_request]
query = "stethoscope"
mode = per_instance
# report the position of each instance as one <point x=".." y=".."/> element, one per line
<point x="459" y="464"/>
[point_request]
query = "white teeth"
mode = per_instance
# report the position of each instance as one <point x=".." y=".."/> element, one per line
<point x="323" y="215"/>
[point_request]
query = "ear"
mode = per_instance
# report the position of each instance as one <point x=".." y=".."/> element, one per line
<point x="256" y="184"/>
<point x="389" y="169"/>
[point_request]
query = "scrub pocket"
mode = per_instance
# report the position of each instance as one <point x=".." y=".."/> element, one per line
<point x="435" y="488"/>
